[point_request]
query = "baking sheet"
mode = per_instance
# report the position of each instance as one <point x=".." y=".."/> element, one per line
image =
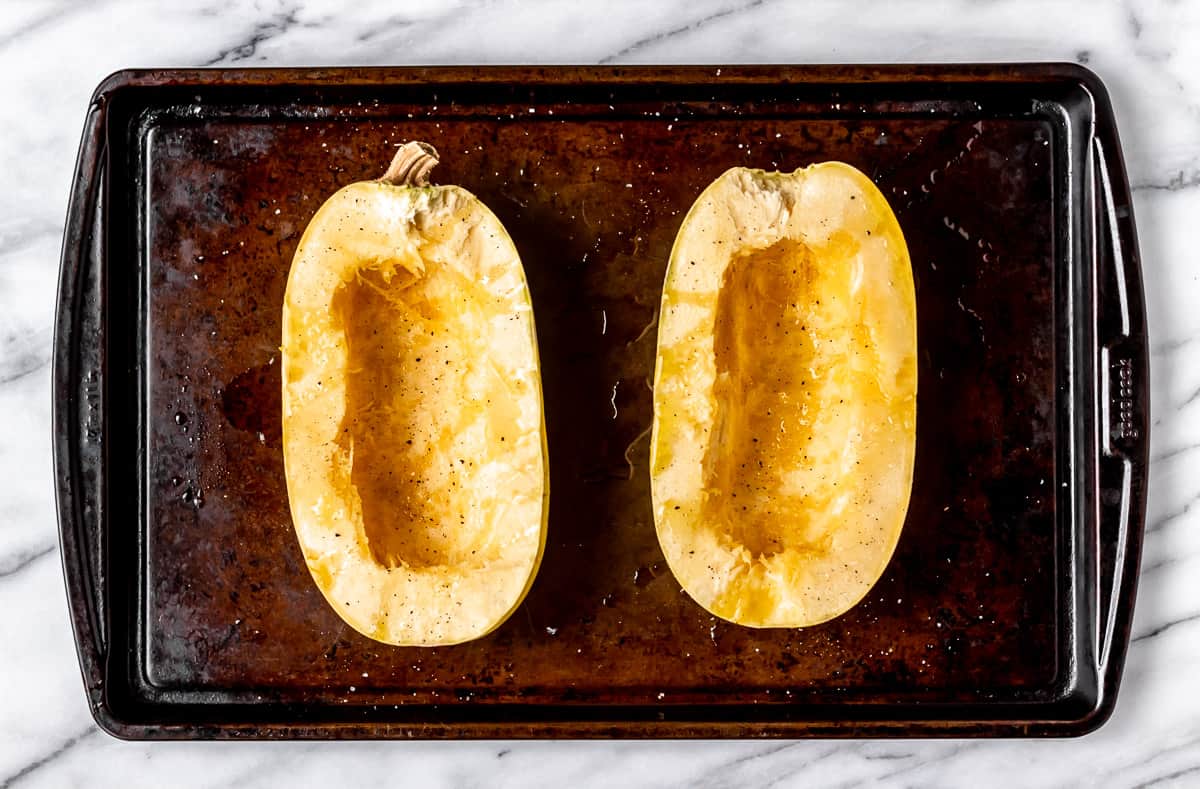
<point x="987" y="619"/>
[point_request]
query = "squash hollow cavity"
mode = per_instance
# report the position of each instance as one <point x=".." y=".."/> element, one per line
<point x="764" y="408"/>
<point x="396" y="362"/>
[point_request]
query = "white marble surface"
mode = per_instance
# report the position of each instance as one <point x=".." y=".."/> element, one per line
<point x="53" y="54"/>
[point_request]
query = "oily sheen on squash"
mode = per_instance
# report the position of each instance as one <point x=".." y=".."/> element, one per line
<point x="784" y="395"/>
<point x="413" y="434"/>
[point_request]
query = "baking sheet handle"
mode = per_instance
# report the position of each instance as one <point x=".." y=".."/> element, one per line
<point x="78" y="392"/>
<point x="1124" y="401"/>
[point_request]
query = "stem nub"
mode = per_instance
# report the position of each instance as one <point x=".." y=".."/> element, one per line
<point x="411" y="165"/>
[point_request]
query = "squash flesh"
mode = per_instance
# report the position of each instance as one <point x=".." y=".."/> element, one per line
<point x="785" y="395"/>
<point x="414" y="444"/>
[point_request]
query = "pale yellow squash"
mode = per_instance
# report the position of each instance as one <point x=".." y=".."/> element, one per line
<point x="413" y="434"/>
<point x="784" y="395"/>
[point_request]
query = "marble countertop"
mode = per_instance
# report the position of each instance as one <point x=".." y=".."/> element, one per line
<point x="52" y="54"/>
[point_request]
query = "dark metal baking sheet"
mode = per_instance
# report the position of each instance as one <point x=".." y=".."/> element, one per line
<point x="1006" y="608"/>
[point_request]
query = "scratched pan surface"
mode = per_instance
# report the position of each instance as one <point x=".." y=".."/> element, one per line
<point x="1006" y="607"/>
